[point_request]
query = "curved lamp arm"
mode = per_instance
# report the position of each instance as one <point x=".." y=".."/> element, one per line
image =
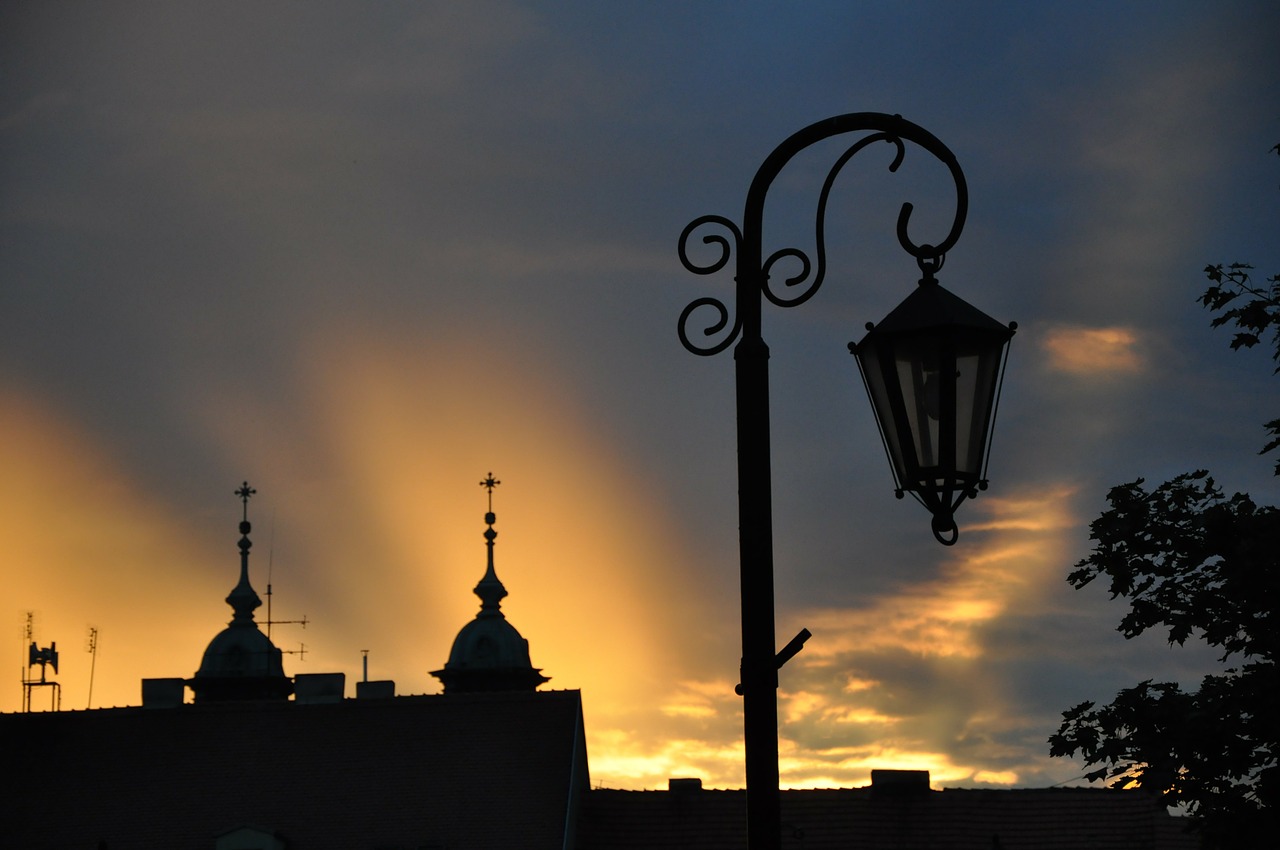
<point x="745" y="243"/>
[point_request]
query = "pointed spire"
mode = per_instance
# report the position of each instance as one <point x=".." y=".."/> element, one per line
<point x="243" y="599"/>
<point x="490" y="589"/>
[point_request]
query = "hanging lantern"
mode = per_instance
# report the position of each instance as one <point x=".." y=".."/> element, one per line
<point x="933" y="370"/>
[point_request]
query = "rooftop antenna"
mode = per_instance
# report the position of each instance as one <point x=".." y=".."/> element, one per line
<point x="28" y="633"/>
<point x="92" y="648"/>
<point x="271" y="562"/>
<point x="301" y="651"/>
<point x="365" y="653"/>
<point x="45" y="657"/>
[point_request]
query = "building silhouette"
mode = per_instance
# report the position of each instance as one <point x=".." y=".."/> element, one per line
<point x="265" y="761"/>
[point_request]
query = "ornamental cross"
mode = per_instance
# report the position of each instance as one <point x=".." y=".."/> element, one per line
<point x="489" y="483"/>
<point x="244" y="493"/>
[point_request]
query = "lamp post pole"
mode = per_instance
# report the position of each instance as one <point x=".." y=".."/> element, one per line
<point x="760" y="661"/>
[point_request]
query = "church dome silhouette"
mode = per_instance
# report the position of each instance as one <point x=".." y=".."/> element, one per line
<point x="241" y="663"/>
<point x="489" y="654"/>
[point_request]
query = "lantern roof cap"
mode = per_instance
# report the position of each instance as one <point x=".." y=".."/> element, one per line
<point x="930" y="306"/>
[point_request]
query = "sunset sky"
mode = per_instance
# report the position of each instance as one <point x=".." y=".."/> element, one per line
<point x="362" y="254"/>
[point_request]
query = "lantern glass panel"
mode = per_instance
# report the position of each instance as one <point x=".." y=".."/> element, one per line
<point x="883" y="385"/>
<point x="977" y="372"/>
<point x="918" y="364"/>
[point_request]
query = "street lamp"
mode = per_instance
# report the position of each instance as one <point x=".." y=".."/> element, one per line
<point x="932" y="370"/>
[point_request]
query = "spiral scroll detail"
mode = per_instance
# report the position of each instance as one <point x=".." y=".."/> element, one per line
<point x="727" y="251"/>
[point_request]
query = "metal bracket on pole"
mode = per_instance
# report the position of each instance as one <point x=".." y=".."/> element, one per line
<point x="788" y="652"/>
<point x="797" y="643"/>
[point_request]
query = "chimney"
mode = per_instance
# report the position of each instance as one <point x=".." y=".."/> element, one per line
<point x="684" y="786"/>
<point x="162" y="693"/>
<point x="317" y="688"/>
<point x="381" y="689"/>
<point x="899" y="783"/>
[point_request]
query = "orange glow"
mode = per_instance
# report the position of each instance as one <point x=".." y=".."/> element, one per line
<point x="621" y="760"/>
<point x="581" y="546"/>
<point x="1094" y="351"/>
<point x="698" y="699"/>
<point x="86" y="546"/>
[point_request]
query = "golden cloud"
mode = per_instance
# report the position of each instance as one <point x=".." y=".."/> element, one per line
<point x="1020" y="538"/>
<point x="841" y="723"/>
<point x="1094" y="351"/>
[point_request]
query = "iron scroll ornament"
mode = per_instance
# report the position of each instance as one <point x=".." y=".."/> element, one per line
<point x="745" y="243"/>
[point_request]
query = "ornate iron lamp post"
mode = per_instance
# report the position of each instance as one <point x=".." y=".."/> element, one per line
<point x="932" y="370"/>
